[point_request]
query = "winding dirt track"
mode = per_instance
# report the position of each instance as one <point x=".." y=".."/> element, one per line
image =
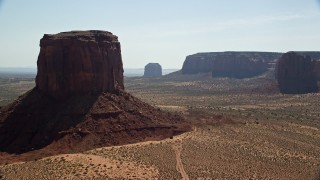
<point x="177" y="149"/>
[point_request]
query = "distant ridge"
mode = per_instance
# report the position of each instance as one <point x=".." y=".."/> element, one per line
<point x="15" y="70"/>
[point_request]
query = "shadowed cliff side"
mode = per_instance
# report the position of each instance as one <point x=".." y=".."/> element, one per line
<point x="295" y="74"/>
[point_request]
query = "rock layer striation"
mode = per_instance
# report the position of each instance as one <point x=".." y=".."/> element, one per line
<point x="316" y="69"/>
<point x="295" y="74"/>
<point x="229" y="64"/>
<point x="79" y="62"/>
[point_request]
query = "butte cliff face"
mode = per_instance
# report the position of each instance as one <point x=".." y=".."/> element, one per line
<point x="82" y="70"/>
<point x="153" y="70"/>
<point x="295" y="74"/>
<point x="79" y="62"/>
<point x="316" y="69"/>
<point x="229" y="64"/>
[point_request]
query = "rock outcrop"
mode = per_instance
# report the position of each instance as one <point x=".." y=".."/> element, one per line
<point x="295" y="74"/>
<point x="79" y="62"/>
<point x="85" y="69"/>
<point x="230" y="64"/>
<point x="153" y="70"/>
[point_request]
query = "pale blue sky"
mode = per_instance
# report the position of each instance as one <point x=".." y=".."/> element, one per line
<point x="163" y="31"/>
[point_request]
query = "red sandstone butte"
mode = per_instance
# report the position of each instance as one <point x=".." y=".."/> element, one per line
<point x="83" y="71"/>
<point x="79" y="62"/>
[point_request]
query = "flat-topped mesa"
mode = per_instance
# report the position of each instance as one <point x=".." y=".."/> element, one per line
<point x="79" y="62"/>
<point x="230" y="64"/>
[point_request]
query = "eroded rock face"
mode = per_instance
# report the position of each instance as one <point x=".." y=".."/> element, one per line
<point x="79" y="62"/>
<point x="295" y="74"/>
<point x="229" y="64"/>
<point x="316" y="69"/>
<point x="153" y="70"/>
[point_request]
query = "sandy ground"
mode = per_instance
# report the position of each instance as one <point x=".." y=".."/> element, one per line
<point x="274" y="136"/>
<point x="230" y="151"/>
<point x="78" y="166"/>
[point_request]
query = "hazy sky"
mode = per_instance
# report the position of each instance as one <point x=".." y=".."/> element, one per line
<point x="163" y="31"/>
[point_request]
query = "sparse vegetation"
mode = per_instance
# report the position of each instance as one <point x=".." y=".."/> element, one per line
<point x="14" y="85"/>
<point x="240" y="131"/>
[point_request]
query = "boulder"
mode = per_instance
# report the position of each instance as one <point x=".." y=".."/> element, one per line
<point x="230" y="64"/>
<point x="152" y="70"/>
<point x="295" y="74"/>
<point x="79" y="62"/>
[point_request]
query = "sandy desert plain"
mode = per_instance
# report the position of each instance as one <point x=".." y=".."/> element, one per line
<point x="242" y="129"/>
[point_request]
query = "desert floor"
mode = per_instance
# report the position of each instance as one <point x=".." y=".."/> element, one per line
<point x="242" y="129"/>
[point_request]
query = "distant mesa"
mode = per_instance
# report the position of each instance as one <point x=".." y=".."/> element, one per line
<point x="79" y="62"/>
<point x="153" y="70"/>
<point x="230" y="64"/>
<point x="79" y="102"/>
<point x="295" y="74"/>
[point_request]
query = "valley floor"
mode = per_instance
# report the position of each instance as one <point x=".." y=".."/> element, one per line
<point x="242" y="129"/>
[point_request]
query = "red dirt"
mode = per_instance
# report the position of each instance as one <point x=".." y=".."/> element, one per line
<point x="36" y="125"/>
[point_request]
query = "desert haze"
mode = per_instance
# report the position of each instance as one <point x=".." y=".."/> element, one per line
<point x="160" y="90"/>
